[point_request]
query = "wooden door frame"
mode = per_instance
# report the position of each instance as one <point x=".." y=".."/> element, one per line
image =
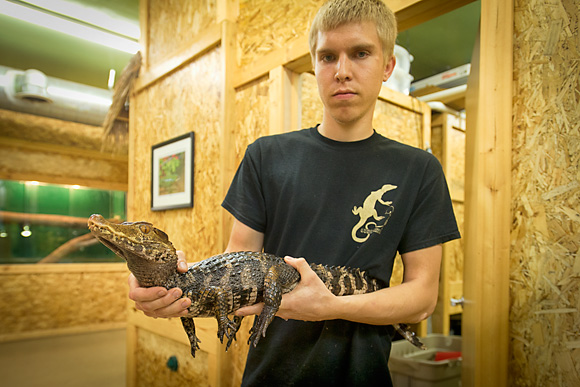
<point x="488" y="200"/>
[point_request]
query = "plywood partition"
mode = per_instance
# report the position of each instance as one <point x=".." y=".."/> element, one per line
<point x="545" y="229"/>
<point x="61" y="299"/>
<point x="59" y="152"/>
<point x="448" y="144"/>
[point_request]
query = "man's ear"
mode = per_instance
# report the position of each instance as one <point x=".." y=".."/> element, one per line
<point x="389" y="67"/>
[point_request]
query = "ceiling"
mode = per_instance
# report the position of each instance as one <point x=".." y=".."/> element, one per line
<point x="437" y="45"/>
<point x="26" y="46"/>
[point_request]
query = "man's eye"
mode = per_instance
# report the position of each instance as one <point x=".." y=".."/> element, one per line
<point x="362" y="54"/>
<point x="327" y="58"/>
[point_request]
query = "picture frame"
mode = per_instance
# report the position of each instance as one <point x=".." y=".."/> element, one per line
<point x="172" y="173"/>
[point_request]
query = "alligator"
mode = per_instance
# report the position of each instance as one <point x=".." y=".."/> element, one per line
<point x="219" y="285"/>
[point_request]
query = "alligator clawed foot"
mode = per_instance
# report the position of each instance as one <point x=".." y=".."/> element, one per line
<point x="194" y="345"/>
<point x="229" y="329"/>
<point x="261" y="323"/>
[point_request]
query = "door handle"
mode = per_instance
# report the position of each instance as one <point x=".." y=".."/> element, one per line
<point x="457" y="301"/>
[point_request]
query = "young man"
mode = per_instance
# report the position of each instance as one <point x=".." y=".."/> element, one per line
<point x="337" y="194"/>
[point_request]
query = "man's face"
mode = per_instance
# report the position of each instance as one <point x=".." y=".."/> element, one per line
<point x="350" y="69"/>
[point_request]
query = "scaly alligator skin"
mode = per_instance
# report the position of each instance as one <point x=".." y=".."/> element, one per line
<point x="220" y="285"/>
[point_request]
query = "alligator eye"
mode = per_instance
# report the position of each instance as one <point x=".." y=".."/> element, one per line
<point x="145" y="228"/>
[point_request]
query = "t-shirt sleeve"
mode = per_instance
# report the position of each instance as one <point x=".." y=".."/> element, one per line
<point x="245" y="198"/>
<point x="432" y="220"/>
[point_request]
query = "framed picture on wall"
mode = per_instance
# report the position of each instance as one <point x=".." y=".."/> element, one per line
<point x="172" y="173"/>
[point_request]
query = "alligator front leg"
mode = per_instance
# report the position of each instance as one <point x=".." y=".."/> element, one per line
<point x="189" y="327"/>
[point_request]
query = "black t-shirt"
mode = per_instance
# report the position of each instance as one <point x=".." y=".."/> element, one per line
<point x="337" y="203"/>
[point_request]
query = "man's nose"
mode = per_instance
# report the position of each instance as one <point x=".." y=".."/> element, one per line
<point x="343" y="69"/>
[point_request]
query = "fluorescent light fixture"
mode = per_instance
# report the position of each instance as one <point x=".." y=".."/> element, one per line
<point x="111" y="81"/>
<point x="68" y="27"/>
<point x="77" y="95"/>
<point x="89" y="15"/>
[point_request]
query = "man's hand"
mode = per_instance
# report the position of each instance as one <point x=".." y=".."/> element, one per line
<point x="309" y="301"/>
<point x="158" y="301"/>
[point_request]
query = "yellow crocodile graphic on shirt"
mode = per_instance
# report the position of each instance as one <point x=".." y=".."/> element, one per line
<point x="368" y="211"/>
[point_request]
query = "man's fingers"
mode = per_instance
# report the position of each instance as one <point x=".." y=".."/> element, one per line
<point x="178" y="308"/>
<point x="250" y="310"/>
<point x="301" y="265"/>
<point x="158" y="301"/>
<point x="295" y="262"/>
<point x="181" y="262"/>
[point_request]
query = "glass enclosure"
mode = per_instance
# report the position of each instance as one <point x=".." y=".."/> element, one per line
<point x="36" y="219"/>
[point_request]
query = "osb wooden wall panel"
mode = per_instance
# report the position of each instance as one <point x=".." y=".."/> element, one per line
<point x="52" y="131"/>
<point x="187" y="100"/>
<point x="173" y="24"/>
<point x="437" y="141"/>
<point x="456" y="164"/>
<point x="152" y="355"/>
<point x="455" y="175"/>
<point x="56" y="151"/>
<point x="36" y="301"/>
<point x="51" y="166"/>
<point x="252" y="115"/>
<point x="455" y="247"/>
<point x="545" y="260"/>
<point x="397" y="123"/>
<point x="265" y="26"/>
<point x="310" y="101"/>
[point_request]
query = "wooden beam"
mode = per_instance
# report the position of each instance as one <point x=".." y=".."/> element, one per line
<point x="220" y="368"/>
<point x="144" y="38"/>
<point x="294" y="52"/>
<point x="228" y="118"/>
<point x="115" y="267"/>
<point x="227" y="10"/>
<point x="61" y="149"/>
<point x="488" y="200"/>
<point x="207" y="40"/>
<point x="413" y="12"/>
<point x="282" y="100"/>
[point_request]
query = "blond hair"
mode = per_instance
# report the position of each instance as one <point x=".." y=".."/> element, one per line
<point x="335" y="13"/>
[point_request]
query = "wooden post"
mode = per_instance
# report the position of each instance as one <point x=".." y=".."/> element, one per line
<point x="283" y="100"/>
<point x="223" y="367"/>
<point x="448" y="143"/>
<point x="488" y="197"/>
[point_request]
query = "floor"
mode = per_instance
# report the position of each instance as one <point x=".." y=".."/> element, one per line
<point x="87" y="360"/>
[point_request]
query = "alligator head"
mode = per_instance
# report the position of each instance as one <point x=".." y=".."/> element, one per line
<point x="150" y="255"/>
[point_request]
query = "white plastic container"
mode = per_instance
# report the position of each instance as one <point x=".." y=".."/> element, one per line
<point x="412" y="367"/>
<point x="401" y="80"/>
<point x="404" y="59"/>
